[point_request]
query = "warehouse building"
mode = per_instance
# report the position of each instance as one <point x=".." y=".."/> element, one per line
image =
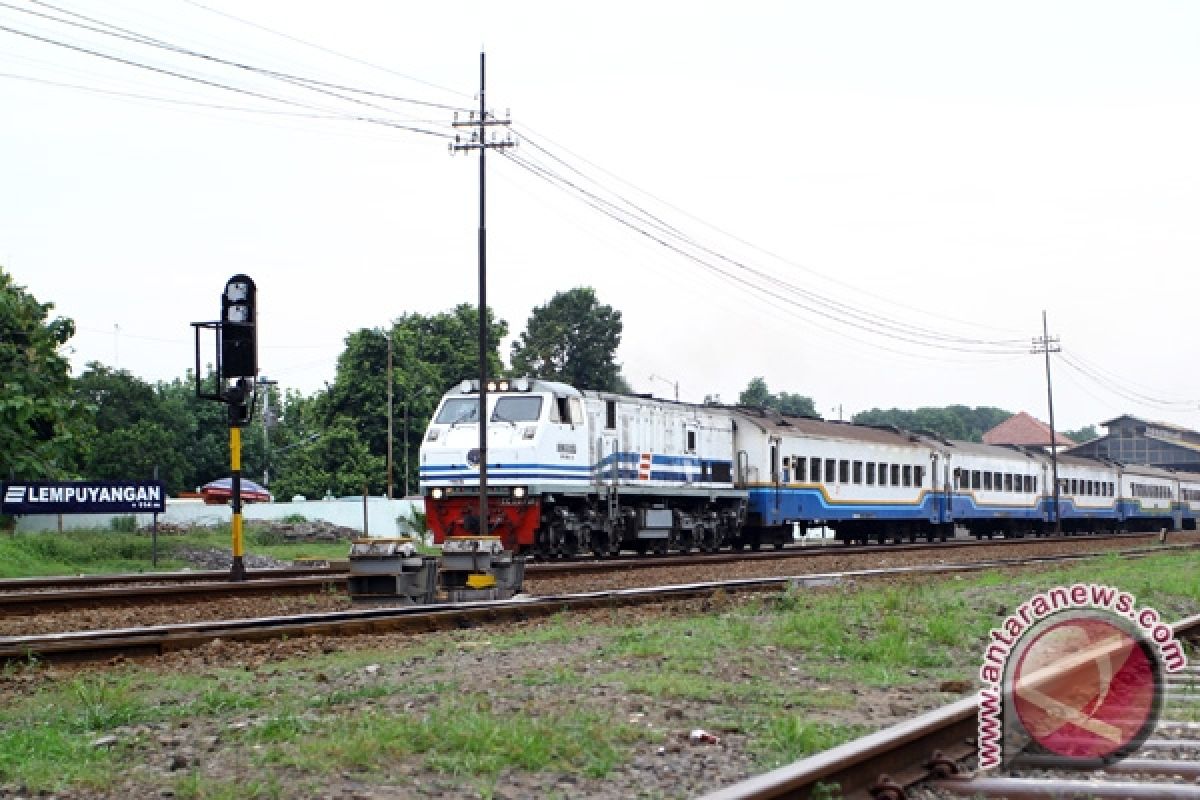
<point x="1131" y="440"/>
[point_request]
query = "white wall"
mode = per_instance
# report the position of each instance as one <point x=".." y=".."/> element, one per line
<point x="381" y="515"/>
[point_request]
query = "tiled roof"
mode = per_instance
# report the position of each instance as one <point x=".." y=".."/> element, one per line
<point x="1023" y="429"/>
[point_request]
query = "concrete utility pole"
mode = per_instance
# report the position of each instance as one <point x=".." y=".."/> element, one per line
<point x="669" y="382"/>
<point x="389" y="458"/>
<point x="267" y="422"/>
<point x="478" y="141"/>
<point x="1046" y="344"/>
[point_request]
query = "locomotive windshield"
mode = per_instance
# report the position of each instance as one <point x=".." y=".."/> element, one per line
<point x="457" y="410"/>
<point x="523" y="408"/>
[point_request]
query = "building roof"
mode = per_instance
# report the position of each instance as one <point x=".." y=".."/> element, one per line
<point x="1023" y="429"/>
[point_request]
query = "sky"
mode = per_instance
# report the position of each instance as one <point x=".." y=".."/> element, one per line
<point x="869" y="203"/>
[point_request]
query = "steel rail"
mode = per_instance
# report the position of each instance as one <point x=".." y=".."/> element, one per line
<point x="110" y="597"/>
<point x="27" y="595"/>
<point x="585" y="565"/>
<point x="141" y="578"/>
<point x="155" y="640"/>
<point x="882" y="763"/>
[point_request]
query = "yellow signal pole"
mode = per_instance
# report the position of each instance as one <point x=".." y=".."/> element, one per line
<point x="237" y="571"/>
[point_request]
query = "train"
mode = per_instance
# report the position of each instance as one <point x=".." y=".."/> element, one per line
<point x="573" y="471"/>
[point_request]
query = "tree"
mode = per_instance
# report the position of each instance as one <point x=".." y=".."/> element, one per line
<point x="39" y="418"/>
<point x="128" y="429"/>
<point x="1082" y="435"/>
<point x="573" y="339"/>
<point x="429" y="354"/>
<point x="758" y="395"/>
<point x="957" y="422"/>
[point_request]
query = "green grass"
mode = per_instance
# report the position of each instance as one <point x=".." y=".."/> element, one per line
<point x="31" y="554"/>
<point x="112" y="551"/>
<point x="781" y="670"/>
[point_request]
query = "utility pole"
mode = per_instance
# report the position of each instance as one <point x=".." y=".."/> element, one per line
<point x="478" y="141"/>
<point x="674" y="384"/>
<point x="389" y="458"/>
<point x="267" y="422"/>
<point x="1046" y="344"/>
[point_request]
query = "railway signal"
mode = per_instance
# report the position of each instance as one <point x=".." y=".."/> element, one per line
<point x="236" y="386"/>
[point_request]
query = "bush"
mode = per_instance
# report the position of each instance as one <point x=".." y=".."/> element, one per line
<point x="124" y="524"/>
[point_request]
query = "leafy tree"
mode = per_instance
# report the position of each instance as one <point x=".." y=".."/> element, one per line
<point x="429" y="354"/>
<point x="38" y="415"/>
<point x="957" y="422"/>
<point x="1082" y="435"/>
<point x="128" y="432"/>
<point x="199" y="428"/>
<point x="573" y="339"/>
<point x="758" y="395"/>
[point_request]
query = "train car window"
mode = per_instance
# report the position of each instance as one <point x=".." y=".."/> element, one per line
<point x="844" y="471"/>
<point x="907" y="473"/>
<point x="801" y="473"/>
<point x="610" y="414"/>
<point x="918" y="476"/>
<point x="1028" y="481"/>
<point x="1035" y="484"/>
<point x="958" y="478"/>
<point x="987" y="480"/>
<point x="974" y="479"/>
<point x="691" y="442"/>
<point x="830" y="471"/>
<point x="895" y="474"/>
<point x="458" y="410"/>
<point x="858" y="472"/>
<point x="883" y="472"/>
<point x="517" y="408"/>
<point x="815" y="471"/>
<point x="870" y="473"/>
<point x="1008" y="482"/>
<point x="1074" y="486"/>
<point x="998" y="481"/>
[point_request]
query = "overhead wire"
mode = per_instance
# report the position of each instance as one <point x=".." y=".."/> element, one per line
<point x="217" y="84"/>
<point x="323" y="49"/>
<point x="821" y="306"/>
<point x="126" y="34"/>
<point x="857" y="289"/>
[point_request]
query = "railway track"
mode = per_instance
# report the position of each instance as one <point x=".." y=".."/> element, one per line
<point x="922" y="757"/>
<point x="156" y="640"/>
<point x="30" y="595"/>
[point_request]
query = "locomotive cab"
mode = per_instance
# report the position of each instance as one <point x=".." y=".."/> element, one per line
<point x="537" y="446"/>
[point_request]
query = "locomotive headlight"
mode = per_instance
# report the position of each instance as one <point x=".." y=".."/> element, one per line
<point x="433" y="435"/>
<point x="503" y="386"/>
<point x="518" y="492"/>
<point x="436" y="493"/>
<point x="491" y="387"/>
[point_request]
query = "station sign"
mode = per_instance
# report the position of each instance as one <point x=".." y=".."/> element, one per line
<point x="82" y="497"/>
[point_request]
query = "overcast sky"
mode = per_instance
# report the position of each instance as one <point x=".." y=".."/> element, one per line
<point x="870" y="203"/>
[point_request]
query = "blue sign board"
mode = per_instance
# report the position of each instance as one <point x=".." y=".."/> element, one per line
<point x="82" y="497"/>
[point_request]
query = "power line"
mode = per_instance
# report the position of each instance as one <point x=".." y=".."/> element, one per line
<point x="325" y="49"/>
<point x="527" y="139"/>
<point x="820" y="306"/>
<point x="298" y="80"/>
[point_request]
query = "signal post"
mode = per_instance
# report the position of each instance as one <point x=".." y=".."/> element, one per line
<point x="236" y="386"/>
